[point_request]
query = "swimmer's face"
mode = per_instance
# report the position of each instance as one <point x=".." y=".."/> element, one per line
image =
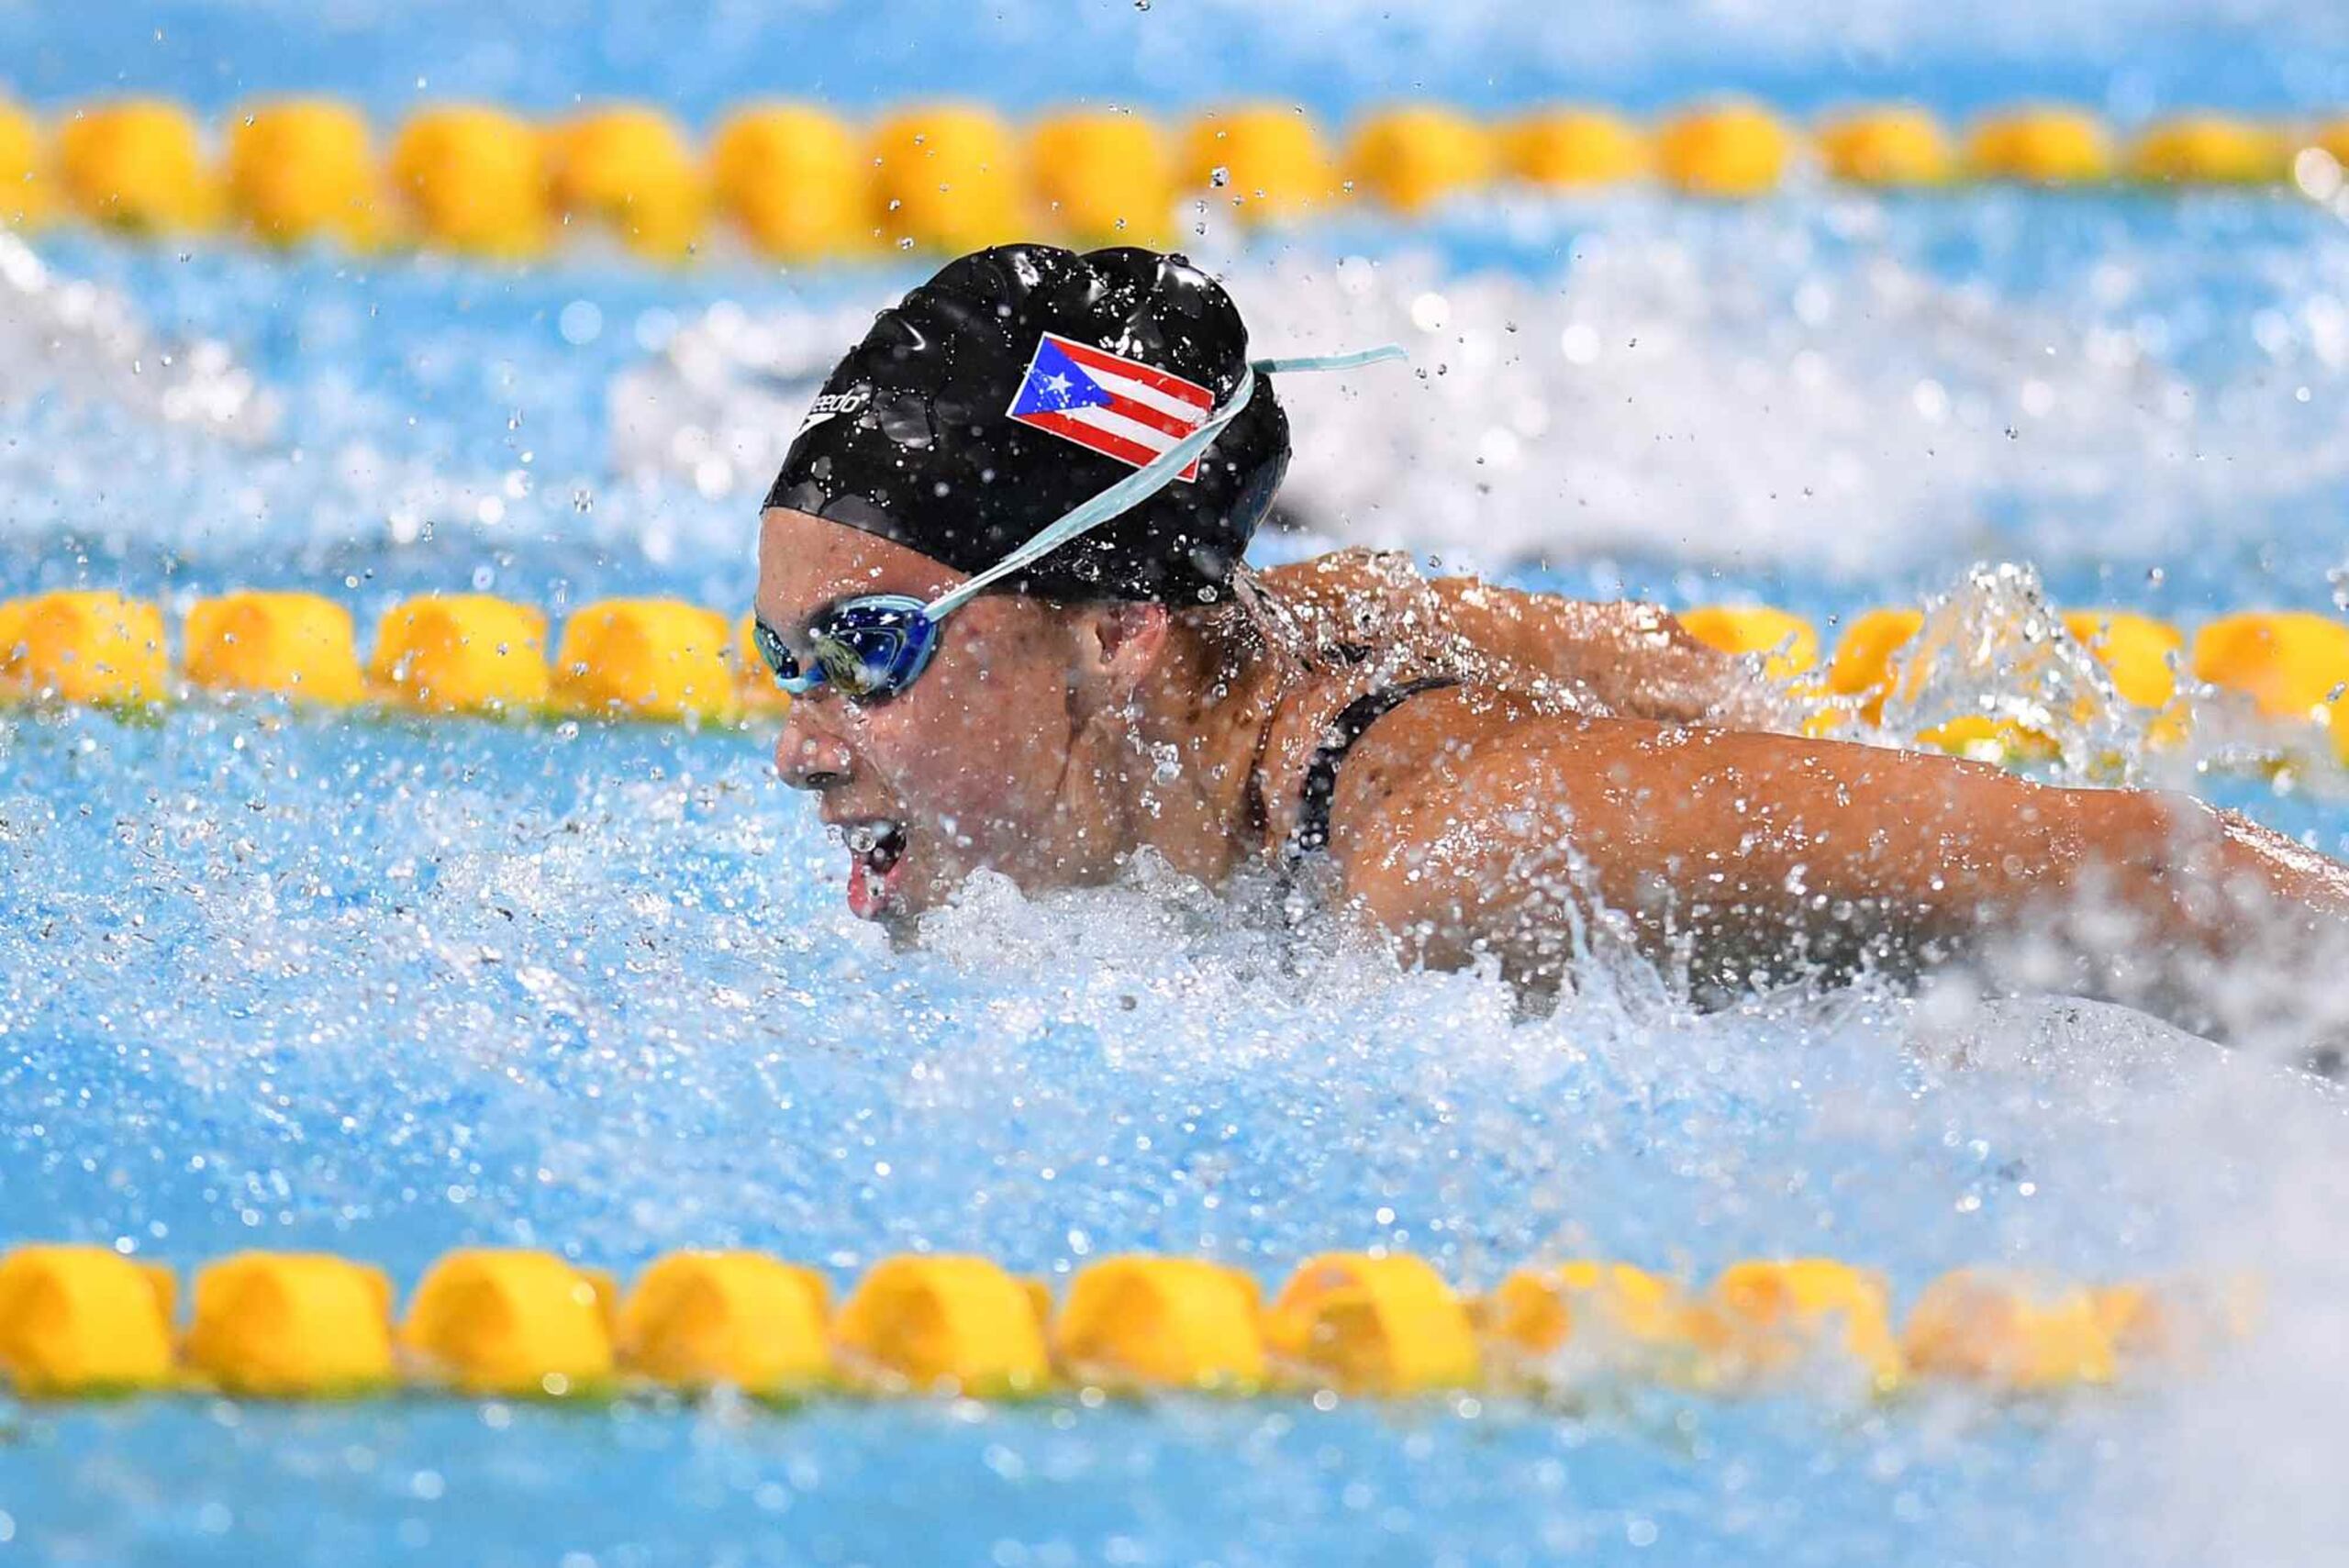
<point x="969" y="767"/>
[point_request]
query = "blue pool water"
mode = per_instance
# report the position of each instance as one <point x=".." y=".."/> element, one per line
<point x="387" y="987"/>
<point x="2135" y="56"/>
<point x="389" y="990"/>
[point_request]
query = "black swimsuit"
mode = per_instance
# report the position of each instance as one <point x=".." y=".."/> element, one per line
<point x="1312" y="829"/>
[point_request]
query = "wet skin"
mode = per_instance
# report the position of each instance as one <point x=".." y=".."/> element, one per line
<point x="1470" y="823"/>
<point x="1476" y="820"/>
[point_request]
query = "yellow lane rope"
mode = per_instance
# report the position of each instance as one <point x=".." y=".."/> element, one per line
<point x="85" y="1321"/>
<point x="667" y="661"/>
<point x="794" y="182"/>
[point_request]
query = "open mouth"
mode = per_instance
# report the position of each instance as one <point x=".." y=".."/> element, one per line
<point x="876" y="849"/>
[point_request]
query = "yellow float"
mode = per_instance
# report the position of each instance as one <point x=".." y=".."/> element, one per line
<point x="289" y="645"/>
<point x="2142" y="656"/>
<point x="2140" y="653"/>
<point x="1144" y="1322"/>
<point x="473" y="179"/>
<point x="1775" y="1315"/>
<point x="1789" y="641"/>
<point x="464" y="653"/>
<point x="740" y="1319"/>
<point x="957" y="1325"/>
<point x="1106" y="178"/>
<point x="1590" y="1316"/>
<point x="794" y="180"/>
<point x="302" y="169"/>
<point x="1733" y="149"/>
<point x="286" y="1324"/>
<point x="1365" y="1323"/>
<point x="1863" y="665"/>
<point x="1981" y="1327"/>
<point x="626" y="169"/>
<point x="511" y="1323"/>
<point x="1887" y="145"/>
<point x="2332" y="139"/>
<point x="1412" y="157"/>
<point x="2040" y="145"/>
<point x="136" y="164"/>
<point x="82" y="646"/>
<point x="659" y="659"/>
<point x="2209" y="150"/>
<point x="1261" y="161"/>
<point x="947" y="178"/>
<point x="1568" y="148"/>
<point x="2292" y="663"/>
<point x="77" y="1321"/>
<point x="26" y="195"/>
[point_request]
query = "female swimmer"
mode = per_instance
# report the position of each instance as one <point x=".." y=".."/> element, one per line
<point x="1001" y="571"/>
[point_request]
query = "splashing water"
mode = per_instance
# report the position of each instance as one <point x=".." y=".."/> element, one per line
<point x="1992" y="650"/>
<point x="84" y="347"/>
<point x="388" y="987"/>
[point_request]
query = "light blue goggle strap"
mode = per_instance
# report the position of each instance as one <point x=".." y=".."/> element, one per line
<point x="1150" y="479"/>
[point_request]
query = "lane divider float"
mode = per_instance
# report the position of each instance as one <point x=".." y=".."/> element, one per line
<point x="649" y="659"/>
<point x="796" y="184"/>
<point x="83" y="1321"/>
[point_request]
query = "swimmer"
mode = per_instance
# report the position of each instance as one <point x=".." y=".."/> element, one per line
<point x="1002" y="573"/>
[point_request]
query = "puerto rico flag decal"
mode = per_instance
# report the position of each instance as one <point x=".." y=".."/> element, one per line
<point x="1119" y="408"/>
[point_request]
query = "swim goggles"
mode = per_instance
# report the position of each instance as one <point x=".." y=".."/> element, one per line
<point x="871" y="648"/>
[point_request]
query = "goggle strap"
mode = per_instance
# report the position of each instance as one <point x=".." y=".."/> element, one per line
<point x="1150" y="478"/>
<point x="1347" y="361"/>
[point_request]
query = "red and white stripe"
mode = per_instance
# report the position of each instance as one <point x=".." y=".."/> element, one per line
<point x="1150" y="409"/>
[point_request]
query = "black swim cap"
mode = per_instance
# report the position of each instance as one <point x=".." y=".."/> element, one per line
<point x="914" y="439"/>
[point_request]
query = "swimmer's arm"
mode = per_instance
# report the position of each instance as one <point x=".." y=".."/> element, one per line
<point x="1724" y="846"/>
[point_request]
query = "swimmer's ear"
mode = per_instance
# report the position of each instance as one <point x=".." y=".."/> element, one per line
<point x="1118" y="645"/>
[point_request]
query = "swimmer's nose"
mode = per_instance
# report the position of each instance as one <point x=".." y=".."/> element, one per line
<point x="806" y="757"/>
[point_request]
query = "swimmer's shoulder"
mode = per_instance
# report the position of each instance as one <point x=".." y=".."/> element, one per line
<point x="1423" y="736"/>
<point x="1458" y="794"/>
<point x="1349" y="594"/>
<point x="1352" y="569"/>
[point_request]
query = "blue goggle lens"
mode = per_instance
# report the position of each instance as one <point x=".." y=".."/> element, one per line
<point x="868" y="649"/>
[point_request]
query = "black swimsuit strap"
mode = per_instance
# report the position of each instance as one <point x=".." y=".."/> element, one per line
<point x="1312" y="829"/>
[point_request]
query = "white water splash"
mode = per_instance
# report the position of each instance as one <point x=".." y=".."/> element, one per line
<point x="1993" y="648"/>
<point x="68" y="340"/>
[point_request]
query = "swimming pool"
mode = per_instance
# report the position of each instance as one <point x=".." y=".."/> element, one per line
<point x="387" y="986"/>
